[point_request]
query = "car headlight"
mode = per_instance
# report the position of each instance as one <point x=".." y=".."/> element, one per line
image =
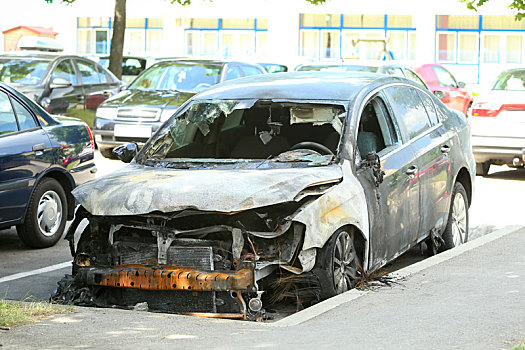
<point x="166" y="114"/>
<point x="106" y="113"/>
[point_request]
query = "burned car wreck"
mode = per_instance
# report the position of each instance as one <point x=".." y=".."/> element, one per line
<point x="263" y="188"/>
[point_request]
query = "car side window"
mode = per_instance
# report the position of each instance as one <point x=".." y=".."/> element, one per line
<point x="250" y="70"/>
<point x="408" y="109"/>
<point x="377" y="130"/>
<point x="415" y="78"/>
<point x="8" y="122"/>
<point x="65" y="70"/>
<point x="444" y="77"/>
<point x="233" y="72"/>
<point x="25" y="119"/>
<point x="429" y="107"/>
<point x="88" y="73"/>
<point x="102" y="77"/>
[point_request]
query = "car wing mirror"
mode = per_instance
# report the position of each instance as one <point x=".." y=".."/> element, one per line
<point x="372" y="162"/>
<point x="60" y="83"/>
<point x="461" y="84"/>
<point x="440" y="94"/>
<point x="126" y="152"/>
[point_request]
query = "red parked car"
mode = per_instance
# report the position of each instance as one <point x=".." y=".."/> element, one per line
<point x="452" y="92"/>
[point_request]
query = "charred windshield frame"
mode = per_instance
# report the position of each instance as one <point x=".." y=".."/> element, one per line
<point x="249" y="131"/>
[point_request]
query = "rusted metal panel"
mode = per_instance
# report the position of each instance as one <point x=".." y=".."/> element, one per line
<point x="172" y="278"/>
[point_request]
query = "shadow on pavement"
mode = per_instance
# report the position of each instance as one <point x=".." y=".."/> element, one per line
<point x="512" y="174"/>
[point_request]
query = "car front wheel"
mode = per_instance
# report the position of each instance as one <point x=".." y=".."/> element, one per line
<point x="336" y="264"/>
<point x="456" y="232"/>
<point x="46" y="215"/>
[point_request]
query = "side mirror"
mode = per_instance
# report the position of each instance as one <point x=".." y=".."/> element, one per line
<point x="126" y="152"/>
<point x="440" y="94"/>
<point x="60" y="83"/>
<point x="461" y="84"/>
<point x="372" y="162"/>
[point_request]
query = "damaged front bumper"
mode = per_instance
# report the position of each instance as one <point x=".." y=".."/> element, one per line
<point x="169" y="278"/>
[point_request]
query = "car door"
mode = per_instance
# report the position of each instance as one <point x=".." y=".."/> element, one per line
<point x="96" y="88"/>
<point x="66" y="93"/>
<point x="428" y="138"/>
<point x="449" y="84"/>
<point x="393" y="200"/>
<point x="25" y="152"/>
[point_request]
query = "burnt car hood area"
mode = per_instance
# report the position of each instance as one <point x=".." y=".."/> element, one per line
<point x="240" y="201"/>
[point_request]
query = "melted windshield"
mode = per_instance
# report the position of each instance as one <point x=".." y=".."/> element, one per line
<point x="511" y="81"/>
<point x="178" y="76"/>
<point x="22" y="71"/>
<point x="233" y="131"/>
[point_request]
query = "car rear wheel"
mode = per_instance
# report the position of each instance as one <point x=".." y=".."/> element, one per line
<point x="456" y="232"/>
<point x="46" y="215"/>
<point x="337" y="264"/>
<point x="107" y="152"/>
<point x="482" y="169"/>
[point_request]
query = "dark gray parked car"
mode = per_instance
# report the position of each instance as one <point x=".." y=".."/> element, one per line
<point x="61" y="84"/>
<point x="291" y="184"/>
<point x="137" y="112"/>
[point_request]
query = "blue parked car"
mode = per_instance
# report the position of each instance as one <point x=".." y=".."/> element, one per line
<point x="42" y="158"/>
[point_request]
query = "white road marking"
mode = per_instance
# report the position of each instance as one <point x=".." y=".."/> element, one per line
<point x="35" y="272"/>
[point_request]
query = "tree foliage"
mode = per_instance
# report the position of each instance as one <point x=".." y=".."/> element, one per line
<point x="516" y="5"/>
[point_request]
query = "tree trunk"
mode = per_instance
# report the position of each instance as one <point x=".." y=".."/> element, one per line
<point x="117" y="40"/>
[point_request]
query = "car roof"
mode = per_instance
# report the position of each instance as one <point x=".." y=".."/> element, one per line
<point x="311" y="86"/>
<point x="217" y="61"/>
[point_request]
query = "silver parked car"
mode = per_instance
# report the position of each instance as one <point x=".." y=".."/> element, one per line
<point x="275" y="186"/>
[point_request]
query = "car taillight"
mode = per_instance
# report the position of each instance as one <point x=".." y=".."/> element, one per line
<point x="486" y="109"/>
<point x="90" y="136"/>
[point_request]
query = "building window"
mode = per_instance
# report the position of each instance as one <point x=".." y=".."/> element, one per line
<point x="226" y="36"/>
<point x="457" y="22"/>
<point x="502" y="23"/>
<point x="468" y="48"/>
<point x="143" y="35"/>
<point x="447" y="47"/>
<point x="345" y="36"/>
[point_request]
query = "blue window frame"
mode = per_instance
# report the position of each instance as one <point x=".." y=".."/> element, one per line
<point x="331" y="35"/>
<point x="226" y="37"/>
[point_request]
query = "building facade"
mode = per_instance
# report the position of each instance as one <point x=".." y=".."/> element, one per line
<point x="473" y="45"/>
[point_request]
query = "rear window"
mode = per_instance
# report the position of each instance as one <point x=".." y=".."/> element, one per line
<point x="510" y="81"/>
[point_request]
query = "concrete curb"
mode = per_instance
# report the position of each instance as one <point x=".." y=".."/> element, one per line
<point x="327" y="305"/>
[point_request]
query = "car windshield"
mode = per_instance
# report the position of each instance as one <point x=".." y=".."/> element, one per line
<point x="511" y="81"/>
<point x="339" y="68"/>
<point x="24" y="71"/>
<point x="178" y="76"/>
<point x="250" y="132"/>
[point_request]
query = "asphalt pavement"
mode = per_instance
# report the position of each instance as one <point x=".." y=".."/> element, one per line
<point x="470" y="297"/>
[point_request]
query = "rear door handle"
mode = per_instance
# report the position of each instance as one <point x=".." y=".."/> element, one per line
<point x="445" y="149"/>
<point x="412" y="170"/>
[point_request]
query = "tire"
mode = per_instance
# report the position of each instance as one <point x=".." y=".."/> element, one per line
<point x="328" y="263"/>
<point x="46" y="215"/>
<point x="107" y="152"/>
<point x="482" y="169"/>
<point x="456" y="231"/>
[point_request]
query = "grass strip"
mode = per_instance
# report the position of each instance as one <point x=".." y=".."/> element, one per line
<point x="17" y="313"/>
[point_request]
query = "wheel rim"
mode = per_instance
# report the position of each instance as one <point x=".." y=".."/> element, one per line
<point x="49" y="213"/>
<point x="344" y="263"/>
<point x="459" y="220"/>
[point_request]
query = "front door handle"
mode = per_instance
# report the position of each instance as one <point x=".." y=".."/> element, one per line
<point x="39" y="147"/>
<point x="411" y="171"/>
<point x="445" y="149"/>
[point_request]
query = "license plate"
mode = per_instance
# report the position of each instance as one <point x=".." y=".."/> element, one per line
<point x="132" y="130"/>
